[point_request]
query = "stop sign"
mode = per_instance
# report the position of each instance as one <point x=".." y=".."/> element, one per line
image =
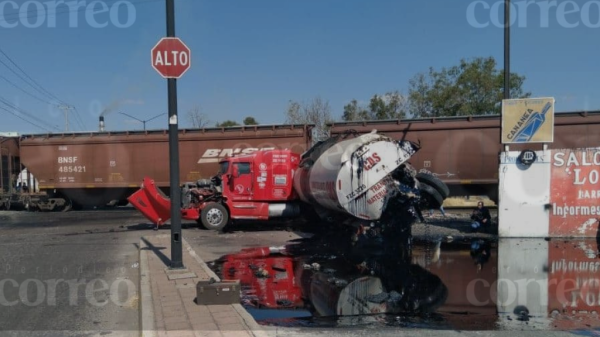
<point x="171" y="57"/>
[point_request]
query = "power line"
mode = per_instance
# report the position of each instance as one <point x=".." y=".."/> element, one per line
<point x="78" y="115"/>
<point x="21" y="77"/>
<point x="29" y="77"/>
<point x="29" y="80"/>
<point x="25" y="91"/>
<point x="23" y="119"/>
<point x="5" y="102"/>
<point x="39" y="88"/>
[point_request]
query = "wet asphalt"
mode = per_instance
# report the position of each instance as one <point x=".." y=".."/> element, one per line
<point x="72" y="274"/>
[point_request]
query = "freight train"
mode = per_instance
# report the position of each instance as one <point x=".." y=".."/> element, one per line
<point x="464" y="151"/>
<point x="17" y="187"/>
<point x="104" y="168"/>
<point x="9" y="169"/>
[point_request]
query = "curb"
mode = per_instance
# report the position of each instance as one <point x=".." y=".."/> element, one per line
<point x="201" y="262"/>
<point x="256" y="329"/>
<point x="147" y="327"/>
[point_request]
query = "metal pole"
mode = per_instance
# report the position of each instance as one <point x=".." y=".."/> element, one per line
<point x="506" y="49"/>
<point x="176" y="239"/>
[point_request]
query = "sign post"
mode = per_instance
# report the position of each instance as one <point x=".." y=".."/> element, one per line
<point x="171" y="58"/>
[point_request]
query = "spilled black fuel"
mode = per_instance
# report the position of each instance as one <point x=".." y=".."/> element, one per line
<point x="356" y="279"/>
<point x="379" y="275"/>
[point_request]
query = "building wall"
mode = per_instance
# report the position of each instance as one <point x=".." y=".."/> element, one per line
<point x="556" y="196"/>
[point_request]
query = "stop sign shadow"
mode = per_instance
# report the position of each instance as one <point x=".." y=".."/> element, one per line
<point x="170" y="57"/>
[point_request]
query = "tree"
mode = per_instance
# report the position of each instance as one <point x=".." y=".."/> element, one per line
<point x="354" y="112"/>
<point x="473" y="87"/>
<point x="227" y="123"/>
<point x="196" y="118"/>
<point x="391" y="105"/>
<point x="250" y="121"/>
<point x="317" y="112"/>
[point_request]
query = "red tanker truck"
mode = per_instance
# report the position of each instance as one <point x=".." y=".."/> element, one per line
<point x="348" y="178"/>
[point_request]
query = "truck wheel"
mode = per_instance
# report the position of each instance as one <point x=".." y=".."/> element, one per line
<point x="214" y="216"/>
<point x="435" y="182"/>
<point x="430" y="197"/>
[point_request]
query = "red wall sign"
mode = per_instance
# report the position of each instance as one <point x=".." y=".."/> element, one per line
<point x="575" y="192"/>
<point x="573" y="284"/>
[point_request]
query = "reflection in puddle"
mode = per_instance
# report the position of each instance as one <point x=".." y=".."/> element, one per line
<point x="471" y="284"/>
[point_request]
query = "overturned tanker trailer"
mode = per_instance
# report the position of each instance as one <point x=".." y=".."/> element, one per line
<point x="345" y="179"/>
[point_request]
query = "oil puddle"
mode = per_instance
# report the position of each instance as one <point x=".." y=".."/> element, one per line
<point x="467" y="284"/>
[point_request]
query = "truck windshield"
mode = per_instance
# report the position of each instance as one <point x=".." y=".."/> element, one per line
<point x="224" y="167"/>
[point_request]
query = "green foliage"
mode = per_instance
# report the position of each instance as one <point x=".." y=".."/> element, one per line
<point x="471" y="88"/>
<point x="250" y="121"/>
<point x="227" y="123"/>
<point x="391" y="105"/>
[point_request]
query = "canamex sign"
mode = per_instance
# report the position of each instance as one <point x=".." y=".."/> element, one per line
<point x="171" y="58"/>
<point x="529" y="120"/>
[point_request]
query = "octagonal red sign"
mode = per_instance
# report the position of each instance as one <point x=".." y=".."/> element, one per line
<point x="171" y="58"/>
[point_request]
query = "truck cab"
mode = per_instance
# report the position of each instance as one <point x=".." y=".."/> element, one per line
<point x="264" y="176"/>
<point x="257" y="186"/>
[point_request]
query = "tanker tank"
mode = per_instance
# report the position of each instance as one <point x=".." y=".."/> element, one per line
<point x="353" y="175"/>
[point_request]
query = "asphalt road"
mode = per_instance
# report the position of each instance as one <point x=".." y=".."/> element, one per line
<point x="69" y="273"/>
<point x="77" y="273"/>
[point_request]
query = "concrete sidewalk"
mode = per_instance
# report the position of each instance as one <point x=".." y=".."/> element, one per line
<point x="167" y="305"/>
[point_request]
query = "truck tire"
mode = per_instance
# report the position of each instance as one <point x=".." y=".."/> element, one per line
<point x="434" y="182"/>
<point x="214" y="216"/>
<point x="430" y="197"/>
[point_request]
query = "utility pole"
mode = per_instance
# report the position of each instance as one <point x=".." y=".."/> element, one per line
<point x="65" y="109"/>
<point x="176" y="246"/>
<point x="161" y="54"/>
<point x="506" y="49"/>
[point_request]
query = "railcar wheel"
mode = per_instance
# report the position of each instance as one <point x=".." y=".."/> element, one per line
<point x="214" y="216"/>
<point x="430" y="197"/>
<point x="68" y="205"/>
<point x="434" y="182"/>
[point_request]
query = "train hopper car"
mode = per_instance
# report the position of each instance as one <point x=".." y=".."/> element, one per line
<point x="464" y="151"/>
<point x="100" y="168"/>
<point x="9" y="169"/>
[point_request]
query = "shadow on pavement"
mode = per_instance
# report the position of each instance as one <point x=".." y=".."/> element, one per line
<point x="157" y="251"/>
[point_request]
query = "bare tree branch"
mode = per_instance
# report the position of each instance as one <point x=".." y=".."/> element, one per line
<point x="316" y="112"/>
<point x="196" y="118"/>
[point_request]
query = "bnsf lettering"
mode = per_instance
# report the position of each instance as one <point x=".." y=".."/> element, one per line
<point x="67" y="160"/>
<point x="215" y="153"/>
<point x="371" y="161"/>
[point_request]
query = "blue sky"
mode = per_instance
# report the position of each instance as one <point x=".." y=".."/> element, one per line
<point x="250" y="57"/>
